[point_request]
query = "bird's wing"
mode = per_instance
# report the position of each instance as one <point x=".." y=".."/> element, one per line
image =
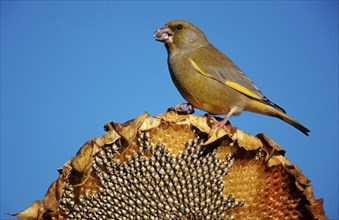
<point x="211" y="63"/>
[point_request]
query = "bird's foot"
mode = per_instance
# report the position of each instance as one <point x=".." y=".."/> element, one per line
<point x="222" y="124"/>
<point x="180" y="108"/>
<point x="218" y="125"/>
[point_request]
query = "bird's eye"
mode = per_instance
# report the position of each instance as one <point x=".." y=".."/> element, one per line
<point x="179" y="26"/>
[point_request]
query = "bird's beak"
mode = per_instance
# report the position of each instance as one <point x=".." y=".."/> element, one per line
<point x="164" y="35"/>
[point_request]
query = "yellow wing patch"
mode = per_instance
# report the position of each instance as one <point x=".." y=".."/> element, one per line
<point x="231" y="84"/>
<point x="199" y="69"/>
<point x="242" y="89"/>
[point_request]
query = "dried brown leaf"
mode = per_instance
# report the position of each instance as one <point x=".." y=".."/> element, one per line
<point x="150" y="123"/>
<point x="247" y="141"/>
<point x="270" y="143"/>
<point x="216" y="135"/>
<point x="316" y="205"/>
<point x="173" y="117"/>
<point x="200" y="122"/>
<point x="83" y="160"/>
<point x="53" y="195"/>
<point x="34" y="212"/>
<point x="108" y="138"/>
<point x="129" y="132"/>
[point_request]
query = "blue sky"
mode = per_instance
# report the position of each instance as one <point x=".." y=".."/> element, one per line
<point x="69" y="67"/>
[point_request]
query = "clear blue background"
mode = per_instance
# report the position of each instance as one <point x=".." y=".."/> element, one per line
<point x="67" y="68"/>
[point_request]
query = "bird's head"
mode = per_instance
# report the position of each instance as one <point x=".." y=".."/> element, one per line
<point x="179" y="34"/>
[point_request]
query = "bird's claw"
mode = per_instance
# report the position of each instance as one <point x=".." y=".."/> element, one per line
<point x="217" y="125"/>
<point x="180" y="109"/>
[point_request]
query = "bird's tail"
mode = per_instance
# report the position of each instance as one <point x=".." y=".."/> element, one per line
<point x="292" y="122"/>
<point x="271" y="109"/>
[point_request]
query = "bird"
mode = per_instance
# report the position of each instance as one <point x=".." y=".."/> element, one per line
<point x="209" y="80"/>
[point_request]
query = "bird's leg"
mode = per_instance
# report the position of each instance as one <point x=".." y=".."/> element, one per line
<point x="220" y="124"/>
<point x="179" y="108"/>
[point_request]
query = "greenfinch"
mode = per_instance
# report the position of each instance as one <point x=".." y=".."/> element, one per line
<point x="209" y="80"/>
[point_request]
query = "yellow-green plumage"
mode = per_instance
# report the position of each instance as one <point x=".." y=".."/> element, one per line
<point x="208" y="79"/>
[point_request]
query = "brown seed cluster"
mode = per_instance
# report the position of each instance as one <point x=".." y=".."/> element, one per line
<point x="159" y="186"/>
